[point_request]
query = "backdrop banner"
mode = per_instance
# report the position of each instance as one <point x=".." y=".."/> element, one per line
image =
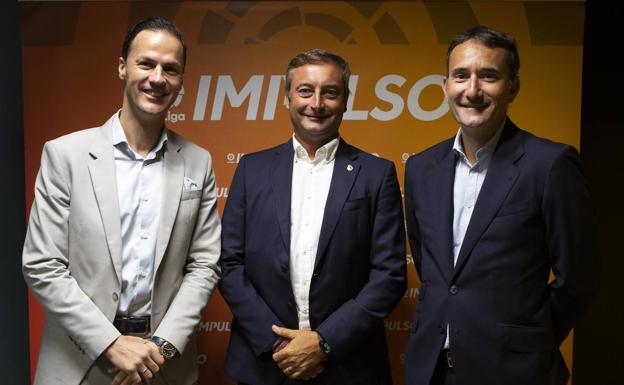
<point x="232" y="102"/>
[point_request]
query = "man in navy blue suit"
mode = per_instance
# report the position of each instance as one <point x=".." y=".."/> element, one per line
<point x="490" y="213"/>
<point x="313" y="247"/>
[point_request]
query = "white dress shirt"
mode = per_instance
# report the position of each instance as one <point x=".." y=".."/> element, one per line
<point x="139" y="186"/>
<point x="310" y="186"/>
<point x="468" y="181"/>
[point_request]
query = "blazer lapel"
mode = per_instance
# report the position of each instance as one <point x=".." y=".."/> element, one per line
<point x="343" y="178"/>
<point x="104" y="182"/>
<point x="173" y="182"/>
<point x="501" y="176"/>
<point x="441" y="194"/>
<point x="281" y="184"/>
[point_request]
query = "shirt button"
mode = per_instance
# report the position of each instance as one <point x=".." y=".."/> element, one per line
<point x="145" y="236"/>
<point x="115" y="297"/>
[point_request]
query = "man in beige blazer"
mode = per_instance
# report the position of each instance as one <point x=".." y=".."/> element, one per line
<point x="124" y="235"/>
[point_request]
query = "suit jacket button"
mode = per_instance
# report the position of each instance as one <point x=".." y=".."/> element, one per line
<point x="315" y="275"/>
<point x="284" y="268"/>
<point x="453" y="290"/>
<point x="115" y="297"/>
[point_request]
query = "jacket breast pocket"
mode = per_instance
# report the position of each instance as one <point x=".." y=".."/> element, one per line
<point x="527" y="339"/>
<point x="356" y="204"/>
<point x="193" y="194"/>
<point x="514" y="208"/>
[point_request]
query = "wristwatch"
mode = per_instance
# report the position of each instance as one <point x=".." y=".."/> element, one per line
<point x="325" y="348"/>
<point x="166" y="348"/>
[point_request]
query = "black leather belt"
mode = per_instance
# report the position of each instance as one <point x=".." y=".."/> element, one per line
<point x="135" y="325"/>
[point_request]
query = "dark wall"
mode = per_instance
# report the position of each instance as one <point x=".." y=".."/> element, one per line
<point x="598" y="342"/>
<point x="13" y="294"/>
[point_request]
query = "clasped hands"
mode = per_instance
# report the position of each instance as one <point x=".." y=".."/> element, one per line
<point x="298" y="353"/>
<point x="136" y="360"/>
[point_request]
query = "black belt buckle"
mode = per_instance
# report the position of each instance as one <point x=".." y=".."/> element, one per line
<point x="134" y="325"/>
<point x="448" y="358"/>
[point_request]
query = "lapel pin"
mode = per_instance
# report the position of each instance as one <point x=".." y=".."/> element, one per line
<point x="349" y="167"/>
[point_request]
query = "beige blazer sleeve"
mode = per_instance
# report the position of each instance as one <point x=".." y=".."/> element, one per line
<point x="46" y="264"/>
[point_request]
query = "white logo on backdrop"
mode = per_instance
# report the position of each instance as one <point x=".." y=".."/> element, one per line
<point x="211" y="100"/>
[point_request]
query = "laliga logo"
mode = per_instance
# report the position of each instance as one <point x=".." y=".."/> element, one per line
<point x="234" y="158"/>
<point x="173" y="117"/>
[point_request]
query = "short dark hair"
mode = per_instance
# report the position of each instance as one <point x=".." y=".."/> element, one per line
<point x="316" y="56"/>
<point x="490" y="38"/>
<point x="152" y="24"/>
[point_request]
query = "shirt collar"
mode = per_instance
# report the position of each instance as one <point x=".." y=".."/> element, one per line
<point x="327" y="152"/>
<point x="121" y="141"/>
<point x="482" y="153"/>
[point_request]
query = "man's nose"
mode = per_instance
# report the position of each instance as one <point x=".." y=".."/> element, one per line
<point x="157" y="75"/>
<point x="473" y="88"/>
<point x="317" y="100"/>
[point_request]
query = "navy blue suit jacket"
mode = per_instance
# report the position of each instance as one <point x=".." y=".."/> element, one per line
<point x="359" y="273"/>
<point x="533" y="214"/>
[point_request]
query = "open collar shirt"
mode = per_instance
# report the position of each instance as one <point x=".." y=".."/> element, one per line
<point x="311" y="179"/>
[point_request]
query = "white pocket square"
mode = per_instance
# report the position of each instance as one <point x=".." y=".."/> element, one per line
<point x="190" y="184"/>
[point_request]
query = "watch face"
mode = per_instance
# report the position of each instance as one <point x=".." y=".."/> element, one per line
<point x="168" y="350"/>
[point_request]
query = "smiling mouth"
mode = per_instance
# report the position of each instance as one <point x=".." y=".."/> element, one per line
<point x="154" y="94"/>
<point x="316" y="118"/>
<point x="478" y="107"/>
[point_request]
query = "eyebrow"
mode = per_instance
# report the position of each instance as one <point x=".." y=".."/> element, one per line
<point x="164" y="64"/>
<point x="480" y="70"/>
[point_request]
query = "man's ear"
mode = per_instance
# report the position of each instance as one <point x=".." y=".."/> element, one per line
<point x="122" y="69"/>
<point x="514" y="88"/>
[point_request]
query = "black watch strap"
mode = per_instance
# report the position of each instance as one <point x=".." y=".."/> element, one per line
<point x="325" y="348"/>
<point x="166" y="348"/>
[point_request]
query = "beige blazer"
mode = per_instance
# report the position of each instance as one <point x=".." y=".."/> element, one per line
<point x="72" y="253"/>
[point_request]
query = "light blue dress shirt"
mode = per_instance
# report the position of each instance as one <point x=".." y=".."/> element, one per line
<point x="468" y="181"/>
<point x="139" y="186"/>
